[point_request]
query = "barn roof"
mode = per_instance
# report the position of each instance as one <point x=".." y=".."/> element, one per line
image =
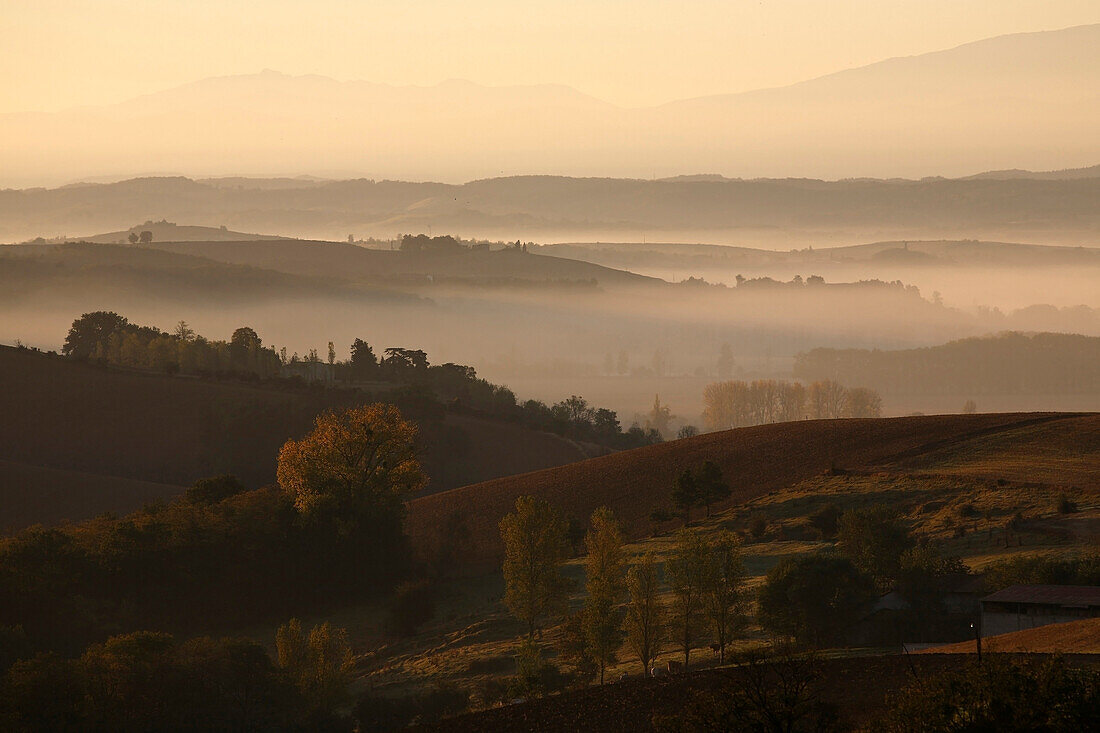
<point x="1081" y="596"/>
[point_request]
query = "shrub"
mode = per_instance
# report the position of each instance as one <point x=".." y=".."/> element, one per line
<point x="758" y="525"/>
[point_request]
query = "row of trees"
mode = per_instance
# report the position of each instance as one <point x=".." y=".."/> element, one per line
<point x="734" y="404"/>
<point x="623" y="603"/>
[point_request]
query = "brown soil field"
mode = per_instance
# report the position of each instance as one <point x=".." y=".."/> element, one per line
<point x="1076" y="637"/>
<point x="73" y="429"/>
<point x="762" y="459"/>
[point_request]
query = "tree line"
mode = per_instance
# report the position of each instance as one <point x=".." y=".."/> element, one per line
<point x="109" y="338"/>
<point x="736" y="403"/>
<point x="1009" y="363"/>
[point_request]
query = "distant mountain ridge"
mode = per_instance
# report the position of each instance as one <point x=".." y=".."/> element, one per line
<point x="992" y="104"/>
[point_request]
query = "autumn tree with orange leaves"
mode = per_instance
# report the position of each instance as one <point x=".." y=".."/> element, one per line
<point x="355" y="470"/>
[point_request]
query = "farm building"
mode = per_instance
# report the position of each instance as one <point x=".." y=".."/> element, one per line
<point x="1021" y="607"/>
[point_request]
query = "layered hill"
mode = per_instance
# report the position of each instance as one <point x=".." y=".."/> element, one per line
<point x="761" y="459"/>
<point x="80" y="440"/>
<point x="779" y="213"/>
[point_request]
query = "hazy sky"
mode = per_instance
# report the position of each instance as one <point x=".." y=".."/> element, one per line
<point x="62" y="53"/>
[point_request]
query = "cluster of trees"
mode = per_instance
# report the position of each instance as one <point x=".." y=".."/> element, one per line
<point x="332" y="530"/>
<point x="817" y="599"/>
<point x="734" y="404"/>
<point x="108" y="337"/>
<point x="1009" y="363"/>
<point x="622" y="603"/>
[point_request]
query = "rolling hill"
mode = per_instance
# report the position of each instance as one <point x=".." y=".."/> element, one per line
<point x="80" y="440"/>
<point x="761" y="459"/>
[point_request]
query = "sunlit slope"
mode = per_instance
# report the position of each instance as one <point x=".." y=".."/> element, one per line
<point x="756" y="460"/>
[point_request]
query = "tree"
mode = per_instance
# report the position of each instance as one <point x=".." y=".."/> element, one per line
<point x="319" y="664"/>
<point x="184" y="332"/>
<point x="687" y="569"/>
<point x="711" y="486"/>
<point x="645" y="616"/>
<point x="244" y="348"/>
<point x="356" y="467"/>
<point x="813" y="598"/>
<point x="685" y="494"/>
<point x="687" y="431"/>
<point x="660" y="417"/>
<point x="826" y="399"/>
<point x="91" y="330"/>
<point x="622" y="363"/>
<point x="725" y="362"/>
<point x="364" y="364"/>
<point x="605" y="582"/>
<point x="724" y="595"/>
<point x="874" y="539"/>
<point x="146" y="237"/>
<point x="535" y="546"/>
<point x="862" y="402"/>
<point x="133" y="238"/>
<point x="970" y="407"/>
<point x="331" y="354"/>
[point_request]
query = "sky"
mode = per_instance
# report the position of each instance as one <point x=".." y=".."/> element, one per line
<point x="58" y="54"/>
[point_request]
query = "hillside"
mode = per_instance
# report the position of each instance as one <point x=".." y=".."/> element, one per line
<point x="1075" y="637"/>
<point x="756" y="460"/>
<point x="80" y="440"/>
<point x="991" y="104"/>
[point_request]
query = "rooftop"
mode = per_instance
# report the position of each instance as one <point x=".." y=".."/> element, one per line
<point x="1081" y="596"/>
